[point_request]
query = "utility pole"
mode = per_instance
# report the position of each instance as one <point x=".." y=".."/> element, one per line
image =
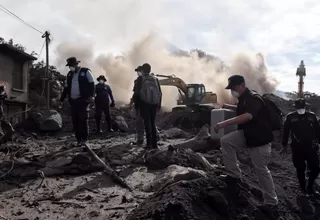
<point x="46" y="35"/>
<point x="301" y="72"/>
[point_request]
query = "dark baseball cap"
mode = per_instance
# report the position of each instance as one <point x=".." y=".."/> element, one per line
<point x="139" y="68"/>
<point x="300" y="103"/>
<point x="235" y="80"/>
<point x="146" y="68"/>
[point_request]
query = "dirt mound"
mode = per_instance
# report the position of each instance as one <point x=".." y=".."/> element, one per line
<point x="208" y="199"/>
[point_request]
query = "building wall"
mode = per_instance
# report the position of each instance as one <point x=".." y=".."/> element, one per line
<point x="14" y="112"/>
<point x="6" y="78"/>
<point x="17" y="97"/>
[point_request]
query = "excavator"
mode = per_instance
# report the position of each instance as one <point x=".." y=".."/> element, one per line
<point x="192" y="96"/>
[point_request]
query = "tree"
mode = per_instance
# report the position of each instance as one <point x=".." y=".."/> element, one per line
<point x="36" y="75"/>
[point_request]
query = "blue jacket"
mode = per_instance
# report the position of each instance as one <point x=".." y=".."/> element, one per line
<point x="103" y="93"/>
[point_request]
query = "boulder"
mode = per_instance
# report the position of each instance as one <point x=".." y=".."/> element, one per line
<point x="48" y="120"/>
<point x="174" y="133"/>
<point x="121" y="124"/>
<point x="199" y="143"/>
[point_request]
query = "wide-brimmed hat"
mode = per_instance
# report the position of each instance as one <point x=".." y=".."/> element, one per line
<point x="72" y="61"/>
<point x="102" y="77"/>
<point x="235" y="80"/>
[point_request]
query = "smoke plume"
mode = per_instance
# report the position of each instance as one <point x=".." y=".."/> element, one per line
<point x="213" y="73"/>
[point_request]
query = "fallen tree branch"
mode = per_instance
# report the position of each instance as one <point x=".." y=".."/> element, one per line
<point x="108" y="169"/>
<point x="77" y="205"/>
<point x="2" y="217"/>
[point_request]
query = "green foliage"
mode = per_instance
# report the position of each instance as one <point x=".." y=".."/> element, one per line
<point x="36" y="75"/>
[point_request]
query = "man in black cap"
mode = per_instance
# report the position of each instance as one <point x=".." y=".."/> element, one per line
<point x="139" y="120"/>
<point x="103" y="94"/>
<point x="253" y="132"/>
<point x="305" y="134"/>
<point x="80" y="92"/>
<point x="147" y="94"/>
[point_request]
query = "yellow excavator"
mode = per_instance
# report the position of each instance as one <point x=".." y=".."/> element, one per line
<point x="192" y="96"/>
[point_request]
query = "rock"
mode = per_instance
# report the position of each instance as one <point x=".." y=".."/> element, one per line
<point x="48" y="121"/>
<point x="59" y="162"/>
<point x="172" y="175"/>
<point x="200" y="143"/>
<point x="93" y="214"/>
<point x="121" y="124"/>
<point x="174" y="133"/>
<point x="161" y="159"/>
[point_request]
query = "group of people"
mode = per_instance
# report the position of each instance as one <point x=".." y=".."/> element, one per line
<point x="255" y="133"/>
<point x="253" y="120"/>
<point x="81" y="91"/>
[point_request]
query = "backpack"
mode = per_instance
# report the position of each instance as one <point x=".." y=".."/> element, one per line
<point x="150" y="92"/>
<point x="275" y="115"/>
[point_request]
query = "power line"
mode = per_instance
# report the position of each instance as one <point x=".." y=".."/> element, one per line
<point x="8" y="12"/>
<point x="44" y="42"/>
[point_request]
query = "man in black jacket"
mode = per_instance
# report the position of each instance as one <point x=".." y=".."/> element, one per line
<point x="80" y="92"/>
<point x="305" y="132"/>
<point x="139" y="119"/>
<point x="253" y="132"/>
<point x="147" y="93"/>
<point x="102" y="102"/>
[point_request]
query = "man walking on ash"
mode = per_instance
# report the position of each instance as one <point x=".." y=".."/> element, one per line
<point x="80" y="92"/>
<point x="253" y="133"/>
<point x="305" y="134"/>
<point x="103" y="94"/>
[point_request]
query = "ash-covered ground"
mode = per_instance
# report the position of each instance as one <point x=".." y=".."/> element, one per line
<point x="44" y="176"/>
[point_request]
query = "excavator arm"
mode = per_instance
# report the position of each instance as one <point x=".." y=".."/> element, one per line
<point x="174" y="81"/>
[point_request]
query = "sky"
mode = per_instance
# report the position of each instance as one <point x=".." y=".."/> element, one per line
<point x="286" y="32"/>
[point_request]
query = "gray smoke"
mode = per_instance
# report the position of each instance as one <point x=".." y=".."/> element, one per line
<point x="119" y="70"/>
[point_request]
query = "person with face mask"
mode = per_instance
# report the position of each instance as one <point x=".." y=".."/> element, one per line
<point x="254" y="133"/>
<point x="139" y="120"/>
<point x="80" y="92"/>
<point x="305" y="134"/>
<point x="103" y="94"/>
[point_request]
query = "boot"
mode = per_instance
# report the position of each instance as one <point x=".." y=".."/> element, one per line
<point x="99" y="131"/>
<point x="109" y="127"/>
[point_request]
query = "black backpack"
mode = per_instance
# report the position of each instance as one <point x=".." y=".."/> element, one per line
<point x="275" y="115"/>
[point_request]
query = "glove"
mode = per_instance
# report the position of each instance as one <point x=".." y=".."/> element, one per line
<point x="112" y="105"/>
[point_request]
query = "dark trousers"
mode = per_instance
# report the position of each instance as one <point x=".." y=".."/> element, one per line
<point x="302" y="154"/>
<point x="103" y="108"/>
<point x="148" y="113"/>
<point x="80" y="117"/>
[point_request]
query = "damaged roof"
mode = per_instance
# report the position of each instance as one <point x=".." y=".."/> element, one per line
<point x="15" y="53"/>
